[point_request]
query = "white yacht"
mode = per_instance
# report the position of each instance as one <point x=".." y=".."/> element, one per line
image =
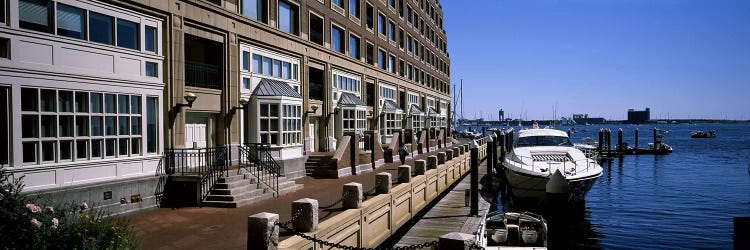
<point x="537" y="154"/>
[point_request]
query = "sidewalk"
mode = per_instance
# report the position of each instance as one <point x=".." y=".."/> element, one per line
<point x="226" y="228"/>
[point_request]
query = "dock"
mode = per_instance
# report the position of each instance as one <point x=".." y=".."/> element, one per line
<point x="448" y="214"/>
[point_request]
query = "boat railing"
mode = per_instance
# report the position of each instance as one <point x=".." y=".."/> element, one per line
<point x="568" y="169"/>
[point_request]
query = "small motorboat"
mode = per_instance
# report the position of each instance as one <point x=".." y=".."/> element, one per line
<point x="701" y="134"/>
<point x="513" y="229"/>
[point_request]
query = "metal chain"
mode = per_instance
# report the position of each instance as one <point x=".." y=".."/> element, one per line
<point x="343" y="196"/>
<point x="295" y="216"/>
<point x="340" y="246"/>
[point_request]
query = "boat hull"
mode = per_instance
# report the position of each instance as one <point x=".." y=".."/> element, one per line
<point x="532" y="189"/>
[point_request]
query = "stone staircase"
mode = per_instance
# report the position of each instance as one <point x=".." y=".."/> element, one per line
<point x="316" y="162"/>
<point x="237" y="190"/>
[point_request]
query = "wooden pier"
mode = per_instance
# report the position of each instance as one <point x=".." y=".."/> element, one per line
<point x="447" y="215"/>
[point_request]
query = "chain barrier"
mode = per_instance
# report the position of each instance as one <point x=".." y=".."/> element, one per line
<point x="340" y="246"/>
<point x="343" y="196"/>
<point x="295" y="216"/>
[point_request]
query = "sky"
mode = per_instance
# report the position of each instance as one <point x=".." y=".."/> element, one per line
<point x="684" y="59"/>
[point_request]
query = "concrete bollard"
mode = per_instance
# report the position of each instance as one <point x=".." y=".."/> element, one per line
<point x="354" y="195"/>
<point x="383" y="183"/>
<point x="456" y="241"/>
<point x="262" y="231"/>
<point x="307" y="215"/>
<point x="420" y="166"/>
<point x="456" y="152"/>
<point x="441" y="158"/>
<point x="461" y="150"/>
<point x="404" y="174"/>
<point x="448" y="155"/>
<point x="432" y="162"/>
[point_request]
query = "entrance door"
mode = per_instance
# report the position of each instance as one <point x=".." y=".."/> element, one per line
<point x="196" y="130"/>
<point x="312" y="135"/>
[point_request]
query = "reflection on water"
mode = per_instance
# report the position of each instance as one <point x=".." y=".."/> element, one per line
<point x="686" y="199"/>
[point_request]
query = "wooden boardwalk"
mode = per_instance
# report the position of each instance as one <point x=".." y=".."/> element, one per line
<point x="447" y="215"/>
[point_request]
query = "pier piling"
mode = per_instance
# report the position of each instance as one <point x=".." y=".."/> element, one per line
<point x="656" y="146"/>
<point x="601" y="141"/>
<point x="501" y="140"/>
<point x="636" y="137"/>
<point x="490" y="154"/>
<point x="558" y="191"/>
<point x="619" y="140"/>
<point x="474" y="210"/>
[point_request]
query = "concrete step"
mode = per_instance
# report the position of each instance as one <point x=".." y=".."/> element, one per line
<point x="238" y="203"/>
<point x="291" y="188"/>
<point x="235" y="197"/>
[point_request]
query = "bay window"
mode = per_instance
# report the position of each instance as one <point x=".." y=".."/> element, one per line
<point x="280" y="124"/>
<point x="67" y="125"/>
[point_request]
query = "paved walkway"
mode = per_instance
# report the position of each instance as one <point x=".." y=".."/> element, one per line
<point x="448" y="215"/>
<point x="226" y="228"/>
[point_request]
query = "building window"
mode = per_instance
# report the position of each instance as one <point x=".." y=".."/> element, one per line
<point x="369" y="16"/>
<point x="391" y="31"/>
<point x="255" y="9"/>
<point x="268" y="66"/>
<point x="401" y="38"/>
<point x="354" y="120"/>
<point x="70" y="21"/>
<point x="152" y="135"/>
<point x="387" y="93"/>
<point x="381" y="24"/>
<point x="316" y="29"/>
<point x="288" y="15"/>
<point x="101" y="28"/>
<point x="392" y="3"/>
<point x="150" y="39"/>
<point x="409" y="73"/>
<point x="68" y="125"/>
<point x="4" y="48"/>
<point x="401" y="68"/>
<point x="408" y="14"/>
<point x="416" y="124"/>
<point x="392" y="63"/>
<point x="353" y="46"/>
<point x="381" y="59"/>
<point x="370" y="53"/>
<point x="269" y="123"/>
<point x="127" y="34"/>
<point x="346" y="83"/>
<point x="337" y="39"/>
<point x="391" y="123"/>
<point x="292" y="125"/>
<point x="354" y="8"/>
<point x="339" y="3"/>
<point x="409" y="46"/>
<point x="35" y="15"/>
<point x="151" y="69"/>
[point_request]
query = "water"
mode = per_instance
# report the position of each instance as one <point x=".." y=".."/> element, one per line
<point x="684" y="200"/>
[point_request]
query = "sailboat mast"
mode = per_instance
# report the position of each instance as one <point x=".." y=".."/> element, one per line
<point x="462" y="99"/>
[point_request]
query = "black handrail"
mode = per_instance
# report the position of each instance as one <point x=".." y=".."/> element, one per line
<point x="216" y="170"/>
<point x="267" y="170"/>
<point x="208" y="163"/>
<point x="159" y="192"/>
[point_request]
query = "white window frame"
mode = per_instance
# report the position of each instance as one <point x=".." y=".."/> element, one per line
<point x="294" y="79"/>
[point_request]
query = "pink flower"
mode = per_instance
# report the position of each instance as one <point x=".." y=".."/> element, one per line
<point x="84" y="206"/>
<point x="33" y="208"/>
<point x="50" y="210"/>
<point x="55" y="223"/>
<point x="36" y="223"/>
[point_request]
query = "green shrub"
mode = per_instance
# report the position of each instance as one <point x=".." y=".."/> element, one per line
<point x="27" y="225"/>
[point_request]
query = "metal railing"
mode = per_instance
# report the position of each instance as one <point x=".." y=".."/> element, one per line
<point x="256" y="159"/>
<point x="217" y="169"/>
<point x="194" y="161"/>
<point x="209" y="164"/>
<point x="161" y="173"/>
<point x="569" y="167"/>
<point x="202" y="75"/>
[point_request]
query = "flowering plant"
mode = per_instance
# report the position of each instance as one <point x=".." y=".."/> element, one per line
<point x="25" y="225"/>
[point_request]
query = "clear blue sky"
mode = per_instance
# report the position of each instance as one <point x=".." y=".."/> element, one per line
<point x="682" y="58"/>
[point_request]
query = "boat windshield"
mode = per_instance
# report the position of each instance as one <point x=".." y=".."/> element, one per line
<point x="531" y="141"/>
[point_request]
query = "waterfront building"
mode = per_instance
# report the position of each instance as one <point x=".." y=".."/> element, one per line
<point x="105" y="93"/>
<point x="639" y="117"/>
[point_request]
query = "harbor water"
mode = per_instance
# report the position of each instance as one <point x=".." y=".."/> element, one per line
<point x="683" y="200"/>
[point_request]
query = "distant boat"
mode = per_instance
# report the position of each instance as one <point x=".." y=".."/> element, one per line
<point x="701" y="134"/>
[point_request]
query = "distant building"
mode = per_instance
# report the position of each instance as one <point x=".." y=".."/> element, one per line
<point x="584" y="119"/>
<point x="639" y="117"/>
